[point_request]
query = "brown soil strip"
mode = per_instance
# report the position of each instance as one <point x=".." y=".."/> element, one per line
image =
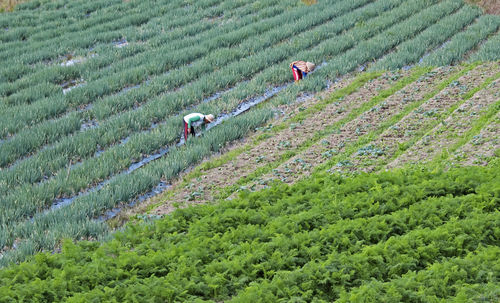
<point x="202" y="190"/>
<point x="461" y="120"/>
<point x="302" y="165"/>
<point x="482" y="147"/>
<point x="489" y="6"/>
<point x="414" y="124"/>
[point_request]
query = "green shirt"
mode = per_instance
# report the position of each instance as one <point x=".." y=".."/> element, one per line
<point x="194" y="117"/>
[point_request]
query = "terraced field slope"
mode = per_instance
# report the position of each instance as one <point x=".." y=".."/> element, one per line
<point x="445" y="116"/>
<point x="92" y="96"/>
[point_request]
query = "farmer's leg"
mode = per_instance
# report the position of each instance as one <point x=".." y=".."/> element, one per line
<point x="297" y="74"/>
<point x="185" y="130"/>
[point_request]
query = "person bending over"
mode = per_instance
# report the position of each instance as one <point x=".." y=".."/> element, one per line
<point x="195" y="119"/>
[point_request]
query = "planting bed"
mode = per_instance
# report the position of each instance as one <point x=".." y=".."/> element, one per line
<point x="93" y="123"/>
<point x="359" y="127"/>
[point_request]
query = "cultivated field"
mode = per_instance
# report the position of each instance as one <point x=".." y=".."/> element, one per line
<point x="93" y="95"/>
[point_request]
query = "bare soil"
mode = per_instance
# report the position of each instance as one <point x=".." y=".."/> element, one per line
<point x="454" y="126"/>
<point x="428" y="128"/>
<point x="303" y="164"/>
<point x="489" y="6"/>
<point x="482" y="147"/>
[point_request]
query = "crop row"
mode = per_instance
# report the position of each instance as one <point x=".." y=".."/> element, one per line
<point x="456" y="279"/>
<point x="316" y="240"/>
<point x="174" y="121"/>
<point x="180" y="29"/>
<point x="489" y="50"/>
<point x="35" y="137"/>
<point x="104" y="32"/>
<point x="106" y="52"/>
<point x="52" y="13"/>
<point x="398" y="138"/>
<point x="51" y="107"/>
<point x="158" y="112"/>
<point x="77" y="220"/>
<point x="58" y="219"/>
<point x="390" y="121"/>
<point x="411" y="51"/>
<point x="328" y="133"/>
<point x="128" y="16"/>
<point x="370" y="49"/>
<point x="96" y="168"/>
<point x="50" y="131"/>
<point x="462" y="42"/>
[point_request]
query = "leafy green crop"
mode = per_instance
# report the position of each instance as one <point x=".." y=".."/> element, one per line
<point x="412" y="235"/>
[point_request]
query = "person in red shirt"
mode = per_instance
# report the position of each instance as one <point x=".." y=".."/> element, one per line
<point x="300" y="69"/>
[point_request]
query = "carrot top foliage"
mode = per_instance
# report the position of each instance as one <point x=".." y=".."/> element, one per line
<point x="325" y="238"/>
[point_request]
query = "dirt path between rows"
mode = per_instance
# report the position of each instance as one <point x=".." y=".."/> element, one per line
<point x="453" y="127"/>
<point x="482" y="147"/>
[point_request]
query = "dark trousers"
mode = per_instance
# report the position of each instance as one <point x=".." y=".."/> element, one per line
<point x="186" y="130"/>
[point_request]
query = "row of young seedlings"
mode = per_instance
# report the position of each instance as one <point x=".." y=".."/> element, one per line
<point x="128" y="121"/>
<point x="130" y="189"/>
<point x="30" y="139"/>
<point x="339" y="67"/>
<point x="319" y="139"/>
<point x="411" y="51"/>
<point x="364" y="140"/>
<point x="54" y="106"/>
<point x="406" y="133"/>
<point x="164" y="135"/>
<point x="460" y="44"/>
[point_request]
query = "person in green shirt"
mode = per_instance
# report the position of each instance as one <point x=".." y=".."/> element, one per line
<point x="195" y="119"/>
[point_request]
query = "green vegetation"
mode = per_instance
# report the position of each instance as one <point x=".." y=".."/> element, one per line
<point x="326" y="238"/>
<point x="90" y="88"/>
<point x="489" y="50"/>
<point x="462" y="42"/>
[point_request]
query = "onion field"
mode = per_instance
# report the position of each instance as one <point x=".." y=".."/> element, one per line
<point x="93" y="93"/>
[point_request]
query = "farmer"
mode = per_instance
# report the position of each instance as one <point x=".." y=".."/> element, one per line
<point x="301" y="68"/>
<point x="195" y="119"/>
